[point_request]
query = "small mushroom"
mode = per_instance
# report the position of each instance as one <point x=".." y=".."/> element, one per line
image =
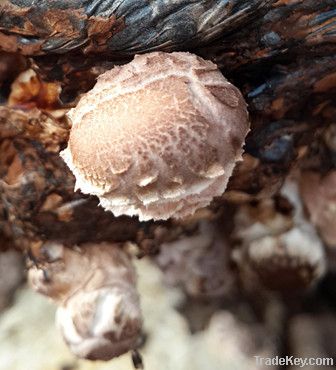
<point x="236" y="341"/>
<point x="319" y="196"/>
<point x="312" y="336"/>
<point x="282" y="251"/>
<point x="199" y="263"/>
<point x="158" y="137"/>
<point x="11" y="271"/>
<point x="292" y="260"/>
<point x="99" y="313"/>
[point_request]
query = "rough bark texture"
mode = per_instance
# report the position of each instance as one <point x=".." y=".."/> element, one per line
<point x="280" y="53"/>
<point x="287" y="29"/>
<point x="118" y="27"/>
<point x="242" y="33"/>
<point x="38" y="202"/>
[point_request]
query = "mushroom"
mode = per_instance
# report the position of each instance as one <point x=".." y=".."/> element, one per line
<point x="237" y="341"/>
<point x="290" y="261"/>
<point x="199" y="263"/>
<point x="158" y="137"/>
<point x="312" y="335"/>
<point x="11" y="271"/>
<point x="319" y="196"/>
<point x="282" y="251"/>
<point x="99" y="313"/>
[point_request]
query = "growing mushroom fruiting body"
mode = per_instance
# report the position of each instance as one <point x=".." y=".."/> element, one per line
<point x="158" y="137"/>
<point x="199" y="263"/>
<point x="282" y="251"/>
<point x="319" y="197"/>
<point x="99" y="312"/>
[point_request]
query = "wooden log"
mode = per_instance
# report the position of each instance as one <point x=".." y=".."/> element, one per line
<point x="288" y="29"/>
<point x="118" y="27"/>
<point x="281" y="54"/>
<point x="37" y="189"/>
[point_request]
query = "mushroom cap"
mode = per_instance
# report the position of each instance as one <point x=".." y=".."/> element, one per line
<point x="199" y="263"/>
<point x="99" y="311"/>
<point x="101" y="324"/>
<point x="158" y="137"/>
<point x="282" y="251"/>
<point x="293" y="260"/>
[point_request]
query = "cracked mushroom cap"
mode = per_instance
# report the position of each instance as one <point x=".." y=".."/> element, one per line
<point x="99" y="312"/>
<point x="158" y="137"/>
<point x="283" y="251"/>
<point x="292" y="260"/>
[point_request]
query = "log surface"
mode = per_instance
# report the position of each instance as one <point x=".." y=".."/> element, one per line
<point x="119" y="27"/>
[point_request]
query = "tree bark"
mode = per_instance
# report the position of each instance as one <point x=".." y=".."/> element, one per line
<point x="281" y="54"/>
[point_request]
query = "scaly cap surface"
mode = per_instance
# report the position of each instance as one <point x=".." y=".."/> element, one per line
<point x="158" y="137"/>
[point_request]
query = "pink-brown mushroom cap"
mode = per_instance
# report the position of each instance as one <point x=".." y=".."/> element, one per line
<point x="158" y="137"/>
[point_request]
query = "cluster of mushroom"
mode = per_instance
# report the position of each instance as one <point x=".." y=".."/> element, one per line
<point x="156" y="138"/>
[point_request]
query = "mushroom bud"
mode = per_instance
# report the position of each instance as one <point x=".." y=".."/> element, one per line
<point x="279" y="250"/>
<point x="199" y="263"/>
<point x="319" y="197"/>
<point x="290" y="261"/>
<point x="158" y="137"/>
<point x="99" y="313"/>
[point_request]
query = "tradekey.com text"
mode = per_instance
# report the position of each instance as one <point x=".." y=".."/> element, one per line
<point x="295" y="361"/>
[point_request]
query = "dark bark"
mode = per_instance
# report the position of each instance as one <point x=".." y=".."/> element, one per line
<point x="118" y="27"/>
<point x="281" y="54"/>
<point x="287" y="30"/>
<point x="271" y="49"/>
<point x="37" y="189"/>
